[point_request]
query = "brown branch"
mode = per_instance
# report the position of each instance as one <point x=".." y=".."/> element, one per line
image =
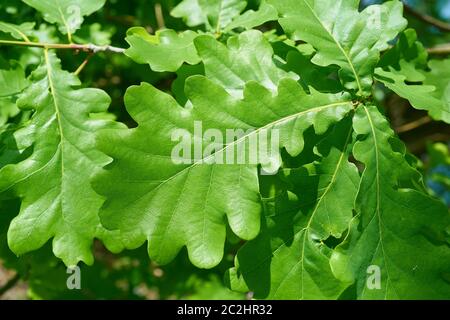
<point x="441" y="25"/>
<point x="10" y="284"/>
<point x="443" y="49"/>
<point x="414" y="125"/>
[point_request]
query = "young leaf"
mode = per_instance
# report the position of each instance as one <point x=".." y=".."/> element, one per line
<point x="246" y="57"/>
<point x="343" y="36"/>
<point x="165" y="51"/>
<point x="68" y="14"/>
<point x="20" y="32"/>
<point x="408" y="62"/>
<point x="400" y="240"/>
<point x="172" y="204"/>
<point x="214" y="14"/>
<point x="433" y="95"/>
<point x="250" y="19"/>
<point x="53" y="182"/>
<point x="289" y="260"/>
<point x="12" y="77"/>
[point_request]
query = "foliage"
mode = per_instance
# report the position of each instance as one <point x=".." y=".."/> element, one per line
<point x="87" y="170"/>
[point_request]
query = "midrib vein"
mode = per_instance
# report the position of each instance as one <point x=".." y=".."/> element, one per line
<point x="57" y="111"/>
<point x="272" y="124"/>
<point x="337" y="44"/>
<point x="378" y="213"/>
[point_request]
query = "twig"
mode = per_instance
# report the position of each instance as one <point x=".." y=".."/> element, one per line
<point x="159" y="16"/>
<point x="10" y="284"/>
<point x="440" y="50"/>
<point x="414" y="125"/>
<point x="84" y="64"/>
<point x="441" y="25"/>
<point x="82" y="47"/>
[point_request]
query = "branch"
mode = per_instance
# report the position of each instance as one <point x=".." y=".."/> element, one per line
<point x="441" y="25"/>
<point x="82" y="47"/>
<point x="440" y="50"/>
<point x="11" y="283"/>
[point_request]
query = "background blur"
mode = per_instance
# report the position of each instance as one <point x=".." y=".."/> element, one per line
<point x="131" y="275"/>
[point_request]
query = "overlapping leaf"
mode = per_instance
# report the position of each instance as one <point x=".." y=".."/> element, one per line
<point x="150" y="196"/>
<point x="342" y="35"/>
<point x="20" y="32"/>
<point x="13" y="80"/>
<point x="214" y="14"/>
<point x="404" y="70"/>
<point x="400" y="230"/>
<point x="68" y="14"/>
<point x="251" y="19"/>
<point x="53" y="181"/>
<point x="246" y="57"/>
<point x="165" y="51"/>
<point x="289" y="260"/>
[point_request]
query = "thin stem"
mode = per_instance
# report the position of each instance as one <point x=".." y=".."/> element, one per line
<point x="440" y="50"/>
<point x="414" y="125"/>
<point x="83" y="47"/>
<point x="441" y="25"/>
<point x="84" y="64"/>
<point x="159" y="16"/>
<point x="10" y="284"/>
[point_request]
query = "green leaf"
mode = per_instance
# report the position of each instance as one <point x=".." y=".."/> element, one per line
<point x="214" y="14"/>
<point x="343" y="36"/>
<point x="152" y="195"/>
<point x="20" y="32"/>
<point x="405" y="70"/>
<point x="408" y="54"/>
<point x="289" y="259"/>
<point x="251" y="19"/>
<point x="182" y="74"/>
<point x="67" y="14"/>
<point x="165" y="51"/>
<point x="323" y="79"/>
<point x="432" y="95"/>
<point x="247" y="57"/>
<point x="12" y="77"/>
<point x="399" y="228"/>
<point x="53" y="182"/>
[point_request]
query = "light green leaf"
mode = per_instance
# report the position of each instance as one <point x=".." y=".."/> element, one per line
<point x="152" y="195"/>
<point x="405" y="70"/>
<point x="214" y="14"/>
<point x="400" y="230"/>
<point x="408" y="54"/>
<point x="20" y="32"/>
<point x="289" y="259"/>
<point x="323" y="79"/>
<point x="165" y="51"/>
<point x="68" y="14"/>
<point x="247" y="57"/>
<point x="343" y="36"/>
<point x="432" y="95"/>
<point x="251" y="19"/>
<point x="13" y="80"/>
<point x="53" y="182"/>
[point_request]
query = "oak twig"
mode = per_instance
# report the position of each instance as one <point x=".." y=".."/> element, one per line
<point x="441" y="25"/>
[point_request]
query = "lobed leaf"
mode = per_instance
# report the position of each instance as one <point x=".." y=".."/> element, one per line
<point x="53" y="181"/>
<point x="174" y="203"/>
<point x="165" y="51"/>
<point x="67" y="14"/>
<point x="399" y="230"/>
<point x="343" y="36"/>
<point x="289" y="259"/>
